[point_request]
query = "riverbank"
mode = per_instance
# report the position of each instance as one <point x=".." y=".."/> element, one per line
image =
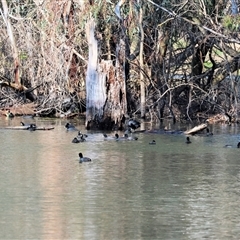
<point x="33" y="110"/>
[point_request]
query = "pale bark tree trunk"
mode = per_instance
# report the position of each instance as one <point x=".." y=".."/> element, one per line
<point x="105" y="86"/>
<point x="106" y="101"/>
<point x="94" y="96"/>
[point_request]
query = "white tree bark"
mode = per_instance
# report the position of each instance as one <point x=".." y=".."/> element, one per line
<point x="95" y="82"/>
<point x="105" y="83"/>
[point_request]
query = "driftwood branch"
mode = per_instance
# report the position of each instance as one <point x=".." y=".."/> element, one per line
<point x="196" y="129"/>
<point x="27" y="128"/>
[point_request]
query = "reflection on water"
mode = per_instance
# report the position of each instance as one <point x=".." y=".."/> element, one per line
<point x="130" y="190"/>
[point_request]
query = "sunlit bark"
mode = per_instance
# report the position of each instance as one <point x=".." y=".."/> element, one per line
<point x="94" y="92"/>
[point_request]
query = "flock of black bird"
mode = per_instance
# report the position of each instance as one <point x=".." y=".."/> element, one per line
<point x="210" y="134"/>
<point x="131" y="127"/>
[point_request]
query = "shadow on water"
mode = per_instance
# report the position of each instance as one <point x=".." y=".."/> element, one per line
<point x="130" y="190"/>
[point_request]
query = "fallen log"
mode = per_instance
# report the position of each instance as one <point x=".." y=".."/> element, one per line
<point x="44" y="128"/>
<point x="27" y="128"/>
<point x="196" y="129"/>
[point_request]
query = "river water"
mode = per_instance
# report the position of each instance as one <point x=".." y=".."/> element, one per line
<point x="130" y="189"/>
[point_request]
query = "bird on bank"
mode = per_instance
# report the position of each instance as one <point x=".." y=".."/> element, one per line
<point x="153" y="142"/>
<point x="188" y="140"/>
<point x="83" y="159"/>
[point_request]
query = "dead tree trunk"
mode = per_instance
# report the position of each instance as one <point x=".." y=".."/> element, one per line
<point x="94" y="93"/>
<point x="105" y="86"/>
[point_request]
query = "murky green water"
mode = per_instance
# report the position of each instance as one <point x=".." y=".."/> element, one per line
<point x="130" y="190"/>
